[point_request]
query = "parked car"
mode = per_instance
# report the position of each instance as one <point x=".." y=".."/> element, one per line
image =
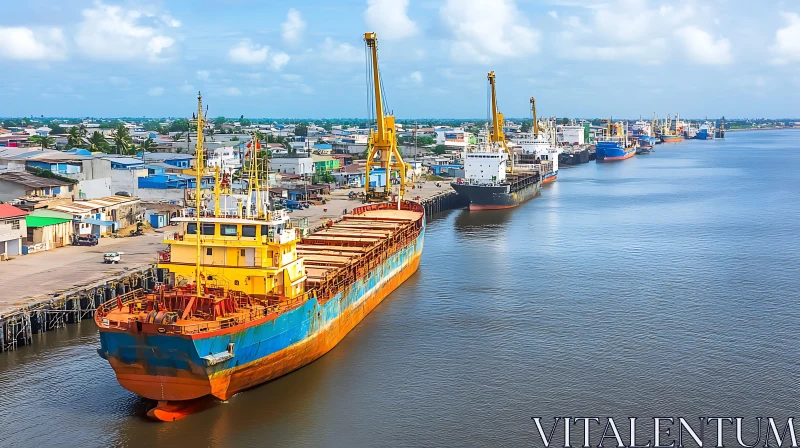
<point x="112" y="257"/>
<point x="80" y="240"/>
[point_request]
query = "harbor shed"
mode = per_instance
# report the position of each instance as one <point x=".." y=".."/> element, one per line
<point x="48" y="229"/>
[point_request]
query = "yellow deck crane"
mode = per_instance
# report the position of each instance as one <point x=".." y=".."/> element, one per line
<point x="497" y="135"/>
<point x="535" y="121"/>
<point x="382" y="141"/>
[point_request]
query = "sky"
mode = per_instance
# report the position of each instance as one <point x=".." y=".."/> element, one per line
<point x="306" y="58"/>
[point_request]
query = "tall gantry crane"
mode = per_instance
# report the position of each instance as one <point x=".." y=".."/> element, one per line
<point x="382" y="141"/>
<point x="497" y="135"/>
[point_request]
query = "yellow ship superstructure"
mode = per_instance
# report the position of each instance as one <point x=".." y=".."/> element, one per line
<point x="255" y="256"/>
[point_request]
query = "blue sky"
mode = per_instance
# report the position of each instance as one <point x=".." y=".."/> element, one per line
<point x="275" y="58"/>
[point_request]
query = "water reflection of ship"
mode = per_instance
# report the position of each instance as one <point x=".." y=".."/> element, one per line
<point x="482" y="225"/>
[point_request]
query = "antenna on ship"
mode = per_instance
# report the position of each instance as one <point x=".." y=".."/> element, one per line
<point x="198" y="195"/>
<point x="535" y="121"/>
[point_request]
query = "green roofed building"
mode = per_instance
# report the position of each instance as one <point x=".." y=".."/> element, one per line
<point x="48" y="229"/>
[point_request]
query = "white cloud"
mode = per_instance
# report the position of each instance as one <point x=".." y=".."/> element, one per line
<point x="231" y="91"/>
<point x="414" y="79"/>
<point x="156" y="91"/>
<point x="292" y="29"/>
<point x="114" y="33"/>
<point x="341" y="52"/>
<point x="278" y="60"/>
<point x="246" y="52"/>
<point x="643" y="32"/>
<point x="203" y="75"/>
<point x="186" y="87"/>
<point x="389" y="19"/>
<point x="553" y="14"/>
<point x="487" y="30"/>
<point x="701" y="47"/>
<point x="24" y="44"/>
<point x="787" y="40"/>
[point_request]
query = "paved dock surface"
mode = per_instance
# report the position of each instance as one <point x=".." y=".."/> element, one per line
<point x="31" y="278"/>
<point x="339" y="202"/>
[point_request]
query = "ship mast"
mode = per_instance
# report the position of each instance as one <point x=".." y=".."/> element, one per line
<point x="384" y="140"/>
<point x="497" y="135"/>
<point x="198" y="195"/>
<point x="535" y="121"/>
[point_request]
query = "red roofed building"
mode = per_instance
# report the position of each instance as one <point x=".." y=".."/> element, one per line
<point x="12" y="231"/>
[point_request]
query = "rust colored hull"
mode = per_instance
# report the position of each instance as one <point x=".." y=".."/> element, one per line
<point x="184" y="385"/>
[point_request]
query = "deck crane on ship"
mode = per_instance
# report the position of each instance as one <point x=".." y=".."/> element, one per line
<point x="497" y="136"/>
<point x="382" y="141"/>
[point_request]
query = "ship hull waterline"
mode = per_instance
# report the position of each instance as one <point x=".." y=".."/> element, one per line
<point x="178" y="384"/>
<point x="496" y="197"/>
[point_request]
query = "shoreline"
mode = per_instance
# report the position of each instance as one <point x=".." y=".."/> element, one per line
<point x="774" y="128"/>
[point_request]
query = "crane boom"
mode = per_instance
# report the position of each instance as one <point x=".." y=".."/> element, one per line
<point x="535" y="121"/>
<point x="497" y="135"/>
<point x="384" y="139"/>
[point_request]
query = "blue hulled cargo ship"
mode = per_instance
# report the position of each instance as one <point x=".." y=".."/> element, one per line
<point x="615" y="144"/>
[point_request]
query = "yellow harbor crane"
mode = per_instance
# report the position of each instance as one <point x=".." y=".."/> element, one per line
<point x="535" y="121"/>
<point x="384" y="140"/>
<point x="497" y="135"/>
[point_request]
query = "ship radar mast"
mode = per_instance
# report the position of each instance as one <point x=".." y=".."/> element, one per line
<point x="198" y="194"/>
<point x="497" y="135"/>
<point x="384" y="139"/>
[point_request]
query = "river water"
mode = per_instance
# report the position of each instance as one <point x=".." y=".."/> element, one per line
<point x="665" y="285"/>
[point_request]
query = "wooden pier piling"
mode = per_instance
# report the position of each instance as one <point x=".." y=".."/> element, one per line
<point x="17" y="327"/>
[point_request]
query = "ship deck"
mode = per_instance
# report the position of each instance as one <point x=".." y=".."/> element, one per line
<point x="348" y="242"/>
<point x="334" y="258"/>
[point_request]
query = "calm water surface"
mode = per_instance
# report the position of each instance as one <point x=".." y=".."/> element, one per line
<point x="663" y="285"/>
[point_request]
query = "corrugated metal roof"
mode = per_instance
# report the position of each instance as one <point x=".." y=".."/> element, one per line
<point x="32" y="181"/>
<point x="80" y="207"/>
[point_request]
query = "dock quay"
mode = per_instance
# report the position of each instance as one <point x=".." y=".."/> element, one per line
<point x="446" y="200"/>
<point x="17" y="327"/>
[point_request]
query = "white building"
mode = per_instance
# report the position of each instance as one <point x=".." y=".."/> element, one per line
<point x="225" y="157"/>
<point x="456" y="137"/>
<point x="292" y="165"/>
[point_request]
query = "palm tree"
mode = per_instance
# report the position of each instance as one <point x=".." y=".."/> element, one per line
<point x="82" y="131"/>
<point x="178" y="137"/>
<point x="45" y="142"/>
<point x="74" y="139"/>
<point x="147" y="145"/>
<point x="122" y="139"/>
<point x="98" y="143"/>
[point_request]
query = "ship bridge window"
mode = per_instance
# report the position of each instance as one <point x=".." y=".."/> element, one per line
<point x="227" y="230"/>
<point x="206" y="229"/>
<point x="249" y="231"/>
<point x="191" y="228"/>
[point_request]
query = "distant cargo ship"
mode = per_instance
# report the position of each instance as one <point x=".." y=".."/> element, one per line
<point x="540" y="144"/>
<point x="615" y="144"/>
<point x="671" y="138"/>
<point x="668" y="135"/>
<point x="706" y="132"/>
<point x="490" y="181"/>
